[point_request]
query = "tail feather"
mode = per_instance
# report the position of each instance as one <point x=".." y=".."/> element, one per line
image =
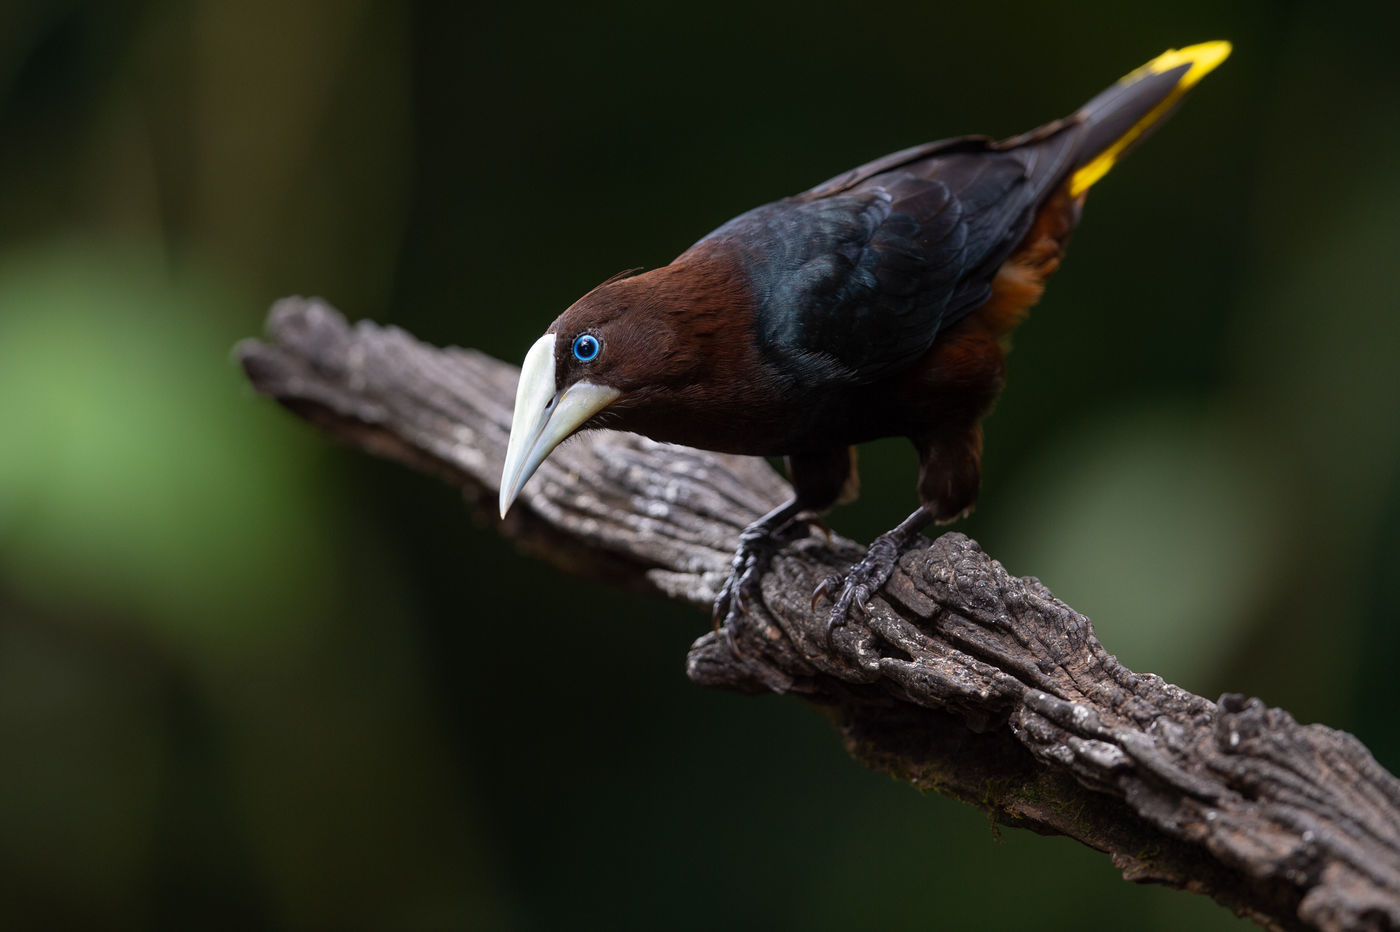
<point x="1124" y="114"/>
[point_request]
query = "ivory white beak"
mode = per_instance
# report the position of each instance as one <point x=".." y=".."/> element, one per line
<point x="543" y="417"/>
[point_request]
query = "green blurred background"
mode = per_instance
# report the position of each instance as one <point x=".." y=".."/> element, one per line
<point x="250" y="678"/>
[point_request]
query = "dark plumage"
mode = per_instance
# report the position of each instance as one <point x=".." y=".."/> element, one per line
<point x="875" y="304"/>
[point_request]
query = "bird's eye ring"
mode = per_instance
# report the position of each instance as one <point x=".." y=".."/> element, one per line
<point x="586" y="347"/>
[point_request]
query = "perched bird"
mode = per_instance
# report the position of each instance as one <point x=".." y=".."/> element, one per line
<point x="876" y="304"/>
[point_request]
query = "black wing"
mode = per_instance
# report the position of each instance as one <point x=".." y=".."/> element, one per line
<point x="857" y="276"/>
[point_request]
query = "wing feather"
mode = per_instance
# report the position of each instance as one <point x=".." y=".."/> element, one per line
<point x="857" y="278"/>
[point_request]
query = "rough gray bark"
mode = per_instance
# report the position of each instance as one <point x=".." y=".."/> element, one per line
<point x="962" y="678"/>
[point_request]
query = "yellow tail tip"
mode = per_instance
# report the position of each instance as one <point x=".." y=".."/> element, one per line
<point x="1202" y="59"/>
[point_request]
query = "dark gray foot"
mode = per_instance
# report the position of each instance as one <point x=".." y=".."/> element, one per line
<point x="759" y="543"/>
<point x="861" y="583"/>
<point x="742" y="589"/>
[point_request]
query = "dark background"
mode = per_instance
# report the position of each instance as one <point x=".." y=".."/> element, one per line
<point x="249" y="678"/>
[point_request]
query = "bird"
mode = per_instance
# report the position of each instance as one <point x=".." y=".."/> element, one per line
<point x="877" y="304"/>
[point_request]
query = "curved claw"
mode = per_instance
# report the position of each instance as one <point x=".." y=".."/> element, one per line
<point x="744" y="590"/>
<point x="720" y="610"/>
<point x="853" y="596"/>
<point x="823" y="590"/>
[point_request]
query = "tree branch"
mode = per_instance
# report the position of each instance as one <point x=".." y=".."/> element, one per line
<point x="961" y="679"/>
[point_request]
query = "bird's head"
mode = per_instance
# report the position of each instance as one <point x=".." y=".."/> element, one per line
<point x="602" y="352"/>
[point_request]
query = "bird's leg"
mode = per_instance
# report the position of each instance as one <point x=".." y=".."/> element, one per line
<point x="867" y="577"/>
<point x="757" y="545"/>
<point x="819" y="480"/>
<point x="949" y="473"/>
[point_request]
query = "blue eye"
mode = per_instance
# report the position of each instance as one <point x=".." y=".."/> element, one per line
<point x="586" y="347"/>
